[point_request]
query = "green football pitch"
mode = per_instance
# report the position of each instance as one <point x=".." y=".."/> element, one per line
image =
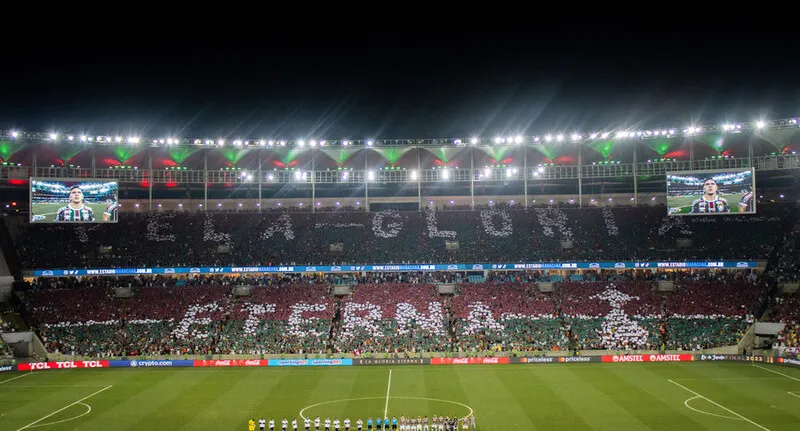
<point x="49" y="211"/>
<point x="685" y="202"/>
<point x="676" y="396"/>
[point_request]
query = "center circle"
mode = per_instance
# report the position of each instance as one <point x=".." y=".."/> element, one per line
<point x="344" y="400"/>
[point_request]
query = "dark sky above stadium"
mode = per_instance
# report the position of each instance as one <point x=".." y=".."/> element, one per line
<point x="395" y="85"/>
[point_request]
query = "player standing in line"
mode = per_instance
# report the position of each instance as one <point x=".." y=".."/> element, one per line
<point x="369" y="423"/>
<point x="327" y="424"/>
<point x="251" y="424"/>
<point x="378" y="424"/>
<point x="425" y="426"/>
<point x="76" y="209"/>
<point x="472" y="422"/>
<point x="394" y="423"/>
<point x="284" y="424"/>
<point x="294" y="424"/>
<point x="347" y="423"/>
<point x="316" y="423"/>
<point x="464" y="424"/>
<point x="262" y="424"/>
<point x="307" y="423"/>
<point x="359" y="424"/>
<point x="336" y="424"/>
<point x="271" y="424"/>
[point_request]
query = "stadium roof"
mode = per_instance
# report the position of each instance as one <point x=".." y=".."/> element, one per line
<point x="619" y="133"/>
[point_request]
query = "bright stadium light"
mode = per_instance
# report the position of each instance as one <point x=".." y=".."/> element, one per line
<point x="301" y="143"/>
<point x="54" y="136"/>
<point x="759" y="124"/>
<point x="474" y="141"/>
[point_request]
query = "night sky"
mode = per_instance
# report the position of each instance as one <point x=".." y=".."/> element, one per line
<point x="302" y="85"/>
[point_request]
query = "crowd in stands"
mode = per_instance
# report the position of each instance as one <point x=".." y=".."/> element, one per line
<point x="5" y="350"/>
<point x="389" y="313"/>
<point x="170" y="239"/>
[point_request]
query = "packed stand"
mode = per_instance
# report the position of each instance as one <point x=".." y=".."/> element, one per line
<point x="616" y="315"/>
<point x="712" y="311"/>
<point x="392" y="317"/>
<point x="179" y="316"/>
<point x="170" y="239"/>
<point x="505" y="316"/>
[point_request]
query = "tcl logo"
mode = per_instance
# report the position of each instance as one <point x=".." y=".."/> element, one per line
<point x="62" y="365"/>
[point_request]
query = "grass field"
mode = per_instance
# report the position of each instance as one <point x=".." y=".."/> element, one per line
<point x="676" y="396"/>
<point x="685" y="202"/>
<point x="49" y="211"/>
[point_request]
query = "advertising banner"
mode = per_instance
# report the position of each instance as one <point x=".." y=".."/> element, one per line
<point x="230" y="363"/>
<point x="554" y="359"/>
<point x="151" y="363"/>
<point x="569" y="266"/>
<point x="740" y="358"/>
<point x="309" y="362"/>
<point x="786" y="361"/>
<point x="4" y="368"/>
<point x="535" y="360"/>
<point x="469" y="361"/>
<point x="62" y="365"/>
<point x="392" y="361"/>
<point x="648" y="358"/>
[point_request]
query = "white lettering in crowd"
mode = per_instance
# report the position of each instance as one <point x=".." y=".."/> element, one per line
<point x="553" y="217"/>
<point x="364" y="316"/>
<point x="487" y="220"/>
<point x="433" y="227"/>
<point x="282" y="225"/>
<point x="300" y="326"/>
<point x="156" y="224"/>
<point x="392" y="227"/>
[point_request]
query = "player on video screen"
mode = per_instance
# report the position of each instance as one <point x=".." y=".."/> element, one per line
<point x="75" y="210"/>
<point x="112" y="209"/>
<point x="711" y="202"/>
<point x="747" y="202"/>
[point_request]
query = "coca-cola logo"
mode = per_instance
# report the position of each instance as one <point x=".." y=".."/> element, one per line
<point x="252" y="362"/>
<point x="491" y="361"/>
<point x="460" y="361"/>
<point x="225" y="363"/>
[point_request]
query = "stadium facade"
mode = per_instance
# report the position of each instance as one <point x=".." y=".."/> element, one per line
<point x="591" y="169"/>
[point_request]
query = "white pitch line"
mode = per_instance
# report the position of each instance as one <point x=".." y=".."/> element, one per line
<point x="64" y="408"/>
<point x="388" y="387"/>
<point x="15" y="378"/>
<point x="794" y="394"/>
<point x="779" y="373"/>
<point x="716" y="404"/>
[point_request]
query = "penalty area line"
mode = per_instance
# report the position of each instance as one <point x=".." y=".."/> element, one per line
<point x="64" y="408"/>
<point x="717" y="404"/>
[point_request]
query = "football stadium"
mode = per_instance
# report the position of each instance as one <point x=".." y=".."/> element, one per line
<point x="493" y="283"/>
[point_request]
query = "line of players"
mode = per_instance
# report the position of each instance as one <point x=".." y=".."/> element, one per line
<point x="438" y="423"/>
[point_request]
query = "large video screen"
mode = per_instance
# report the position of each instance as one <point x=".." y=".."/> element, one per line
<point x="730" y="191"/>
<point x="74" y="201"/>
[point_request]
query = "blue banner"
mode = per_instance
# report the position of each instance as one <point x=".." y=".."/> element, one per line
<point x="151" y="363"/>
<point x="308" y="362"/>
<point x="395" y="268"/>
